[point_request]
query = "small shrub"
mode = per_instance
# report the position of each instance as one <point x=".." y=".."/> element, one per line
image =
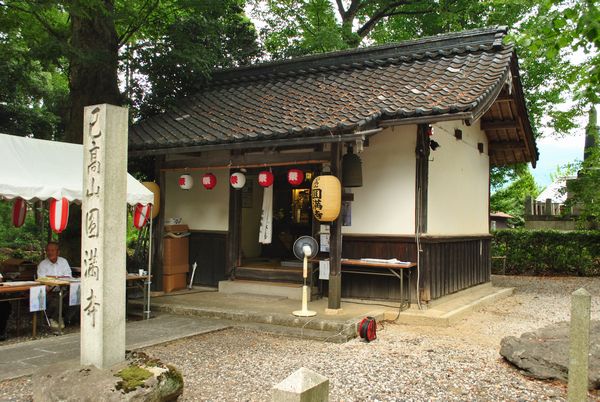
<point x="547" y="252"/>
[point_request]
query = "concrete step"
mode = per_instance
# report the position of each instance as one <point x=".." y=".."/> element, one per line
<point x="272" y="274"/>
<point x="324" y="329"/>
<point x="291" y="291"/>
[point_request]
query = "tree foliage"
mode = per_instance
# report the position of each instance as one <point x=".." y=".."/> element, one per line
<point x="511" y="199"/>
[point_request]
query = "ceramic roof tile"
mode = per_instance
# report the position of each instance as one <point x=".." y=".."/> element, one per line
<point x="336" y="92"/>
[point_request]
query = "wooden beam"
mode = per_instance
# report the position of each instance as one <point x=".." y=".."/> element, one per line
<point x="253" y="160"/>
<point x="241" y="145"/>
<point x="159" y="227"/>
<point x="506" y="145"/>
<point x="498" y="124"/>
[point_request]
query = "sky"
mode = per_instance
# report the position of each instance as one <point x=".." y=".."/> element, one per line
<point x="557" y="152"/>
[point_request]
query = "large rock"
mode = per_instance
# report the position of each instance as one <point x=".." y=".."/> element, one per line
<point x="156" y="382"/>
<point x="544" y="354"/>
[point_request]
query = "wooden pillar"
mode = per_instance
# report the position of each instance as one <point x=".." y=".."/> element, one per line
<point x="335" y="241"/>
<point x="421" y="185"/>
<point x="234" y="235"/>
<point x="159" y="226"/>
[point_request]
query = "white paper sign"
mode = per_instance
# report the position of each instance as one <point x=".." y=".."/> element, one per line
<point x="37" y="298"/>
<point x="324" y="270"/>
<point x="75" y="294"/>
<point x="324" y="243"/>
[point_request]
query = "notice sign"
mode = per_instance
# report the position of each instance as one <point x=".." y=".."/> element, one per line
<point x="37" y="298"/>
<point x="75" y="294"/>
<point x="324" y="270"/>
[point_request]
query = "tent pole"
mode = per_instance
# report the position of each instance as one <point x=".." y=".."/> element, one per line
<point x="149" y="279"/>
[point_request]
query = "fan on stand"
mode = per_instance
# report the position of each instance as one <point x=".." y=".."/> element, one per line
<point x="305" y="247"/>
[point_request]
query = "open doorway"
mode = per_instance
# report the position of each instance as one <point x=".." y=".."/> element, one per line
<point x="292" y="218"/>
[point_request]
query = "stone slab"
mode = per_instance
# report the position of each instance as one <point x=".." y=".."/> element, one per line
<point x="24" y="358"/>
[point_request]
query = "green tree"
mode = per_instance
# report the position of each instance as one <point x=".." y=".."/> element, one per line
<point x="84" y="40"/>
<point x="511" y="198"/>
<point x="585" y="190"/>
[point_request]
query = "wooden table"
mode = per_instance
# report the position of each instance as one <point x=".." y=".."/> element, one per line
<point x="363" y="267"/>
<point x="6" y="288"/>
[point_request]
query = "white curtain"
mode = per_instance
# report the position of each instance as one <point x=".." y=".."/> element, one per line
<point x="266" y="217"/>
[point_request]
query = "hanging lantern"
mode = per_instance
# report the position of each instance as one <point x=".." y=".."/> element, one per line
<point x="186" y="181"/>
<point x="295" y="177"/>
<point x="326" y="194"/>
<point x="265" y="178"/>
<point x="19" y="212"/>
<point x="59" y="214"/>
<point x="140" y="215"/>
<point x="209" y="181"/>
<point x="237" y="180"/>
<point x="351" y="169"/>
<point x="152" y="186"/>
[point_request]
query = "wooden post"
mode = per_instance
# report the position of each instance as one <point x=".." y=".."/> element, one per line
<point x="335" y="242"/>
<point x="579" y="346"/>
<point x="234" y="235"/>
<point x="421" y="189"/>
<point x="159" y="227"/>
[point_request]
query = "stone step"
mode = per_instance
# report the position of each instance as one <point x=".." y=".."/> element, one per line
<point x="291" y="291"/>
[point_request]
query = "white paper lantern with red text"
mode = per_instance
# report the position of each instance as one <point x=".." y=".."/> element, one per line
<point x="19" y="212"/>
<point x="209" y="181"/>
<point x="295" y="177"/>
<point x="59" y="214"/>
<point x="186" y="181"/>
<point x="265" y="178"/>
<point x="326" y="196"/>
<point x="141" y="215"/>
<point x="237" y="180"/>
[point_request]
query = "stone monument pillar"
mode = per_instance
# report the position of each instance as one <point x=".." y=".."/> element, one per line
<point x="103" y="227"/>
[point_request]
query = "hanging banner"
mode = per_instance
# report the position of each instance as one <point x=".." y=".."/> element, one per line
<point x="37" y="298"/>
<point x="266" y="217"/>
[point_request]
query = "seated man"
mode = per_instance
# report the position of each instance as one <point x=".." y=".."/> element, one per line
<point x="55" y="266"/>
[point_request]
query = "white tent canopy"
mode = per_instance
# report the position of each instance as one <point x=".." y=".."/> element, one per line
<point x="39" y="170"/>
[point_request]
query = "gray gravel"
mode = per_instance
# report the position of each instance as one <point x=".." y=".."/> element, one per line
<point x="405" y="363"/>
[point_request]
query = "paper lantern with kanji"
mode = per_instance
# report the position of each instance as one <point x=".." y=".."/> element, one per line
<point x="186" y="181"/>
<point x="19" y="212"/>
<point x="237" y="180"/>
<point x="265" y="178"/>
<point x="140" y="215"/>
<point x="295" y="177"/>
<point x="59" y="214"/>
<point x="209" y="181"/>
<point x="152" y="186"/>
<point x="326" y="195"/>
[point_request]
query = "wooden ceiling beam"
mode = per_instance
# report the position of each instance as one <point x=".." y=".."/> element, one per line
<point x="499" y="124"/>
<point x="507" y="145"/>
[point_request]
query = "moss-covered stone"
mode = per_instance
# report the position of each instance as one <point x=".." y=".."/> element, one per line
<point x="132" y="377"/>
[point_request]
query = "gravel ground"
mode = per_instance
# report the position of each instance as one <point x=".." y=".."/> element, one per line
<point x="405" y="362"/>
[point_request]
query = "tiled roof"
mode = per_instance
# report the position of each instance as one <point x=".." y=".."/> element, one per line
<point x="340" y="92"/>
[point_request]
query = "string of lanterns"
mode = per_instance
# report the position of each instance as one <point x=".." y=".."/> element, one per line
<point x="237" y="180"/>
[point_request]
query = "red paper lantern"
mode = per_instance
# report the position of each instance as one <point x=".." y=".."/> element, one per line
<point x="295" y="177"/>
<point x="265" y="178"/>
<point x="237" y="180"/>
<point x="19" y="212"/>
<point x="59" y="214"/>
<point x="186" y="181"/>
<point x="141" y="215"/>
<point x="209" y="181"/>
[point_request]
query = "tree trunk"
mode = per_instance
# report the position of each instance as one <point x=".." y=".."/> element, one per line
<point x="93" y="62"/>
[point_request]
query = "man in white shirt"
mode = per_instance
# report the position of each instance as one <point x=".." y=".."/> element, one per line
<point x="56" y="267"/>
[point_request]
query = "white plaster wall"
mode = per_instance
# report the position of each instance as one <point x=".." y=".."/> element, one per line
<point x="201" y="209"/>
<point x="385" y="202"/>
<point x="458" y="182"/>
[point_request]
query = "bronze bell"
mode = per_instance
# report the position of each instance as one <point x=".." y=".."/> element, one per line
<point x="351" y="170"/>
